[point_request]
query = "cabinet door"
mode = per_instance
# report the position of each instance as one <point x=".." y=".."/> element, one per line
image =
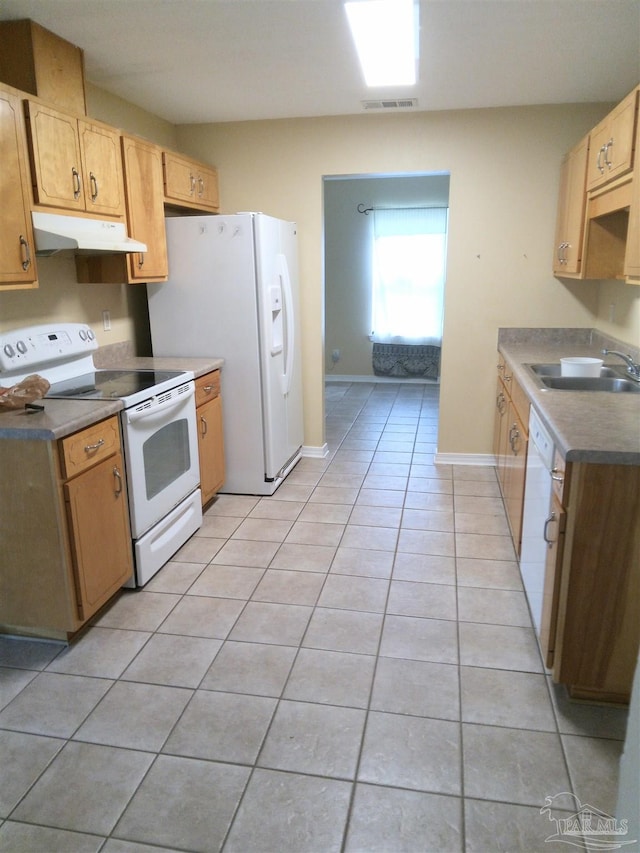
<point x="102" y="169"/>
<point x="188" y="183"/>
<point x="515" y="465"/>
<point x="598" y="634"/>
<point x="554" y="537"/>
<point x="632" y="253"/>
<point x="611" y="146"/>
<point x="99" y="533"/>
<point x="17" y="260"/>
<point x="567" y="258"/>
<point x="179" y="178"/>
<point x="145" y="209"/>
<point x="210" y="448"/>
<point x="500" y="430"/>
<point x="207" y="188"/>
<point x="55" y="157"/>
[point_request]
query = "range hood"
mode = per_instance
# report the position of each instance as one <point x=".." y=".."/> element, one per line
<point x="55" y="232"/>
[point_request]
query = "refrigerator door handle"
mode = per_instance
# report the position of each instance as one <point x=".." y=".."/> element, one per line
<point x="289" y="339"/>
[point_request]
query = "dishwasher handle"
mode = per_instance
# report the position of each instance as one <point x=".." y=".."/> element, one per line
<point x="553" y="517"/>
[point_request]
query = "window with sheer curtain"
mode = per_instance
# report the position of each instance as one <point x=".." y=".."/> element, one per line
<point x="408" y="275"/>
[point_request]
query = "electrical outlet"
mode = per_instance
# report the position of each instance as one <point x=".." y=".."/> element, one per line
<point x="106" y="321"/>
<point x="335" y="356"/>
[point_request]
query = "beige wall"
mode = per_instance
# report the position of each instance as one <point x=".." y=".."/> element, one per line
<point x="504" y="166"/>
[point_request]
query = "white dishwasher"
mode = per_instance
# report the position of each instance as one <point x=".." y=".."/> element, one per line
<point x="536" y="514"/>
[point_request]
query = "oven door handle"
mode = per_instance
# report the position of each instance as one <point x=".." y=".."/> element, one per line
<point x="161" y="408"/>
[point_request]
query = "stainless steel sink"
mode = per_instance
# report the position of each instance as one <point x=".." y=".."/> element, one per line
<point x="611" y="380"/>
<point x="589" y="383"/>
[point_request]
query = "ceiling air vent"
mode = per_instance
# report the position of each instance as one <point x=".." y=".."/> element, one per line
<point x="391" y="104"/>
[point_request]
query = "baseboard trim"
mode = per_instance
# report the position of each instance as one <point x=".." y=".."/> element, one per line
<point x="396" y="380"/>
<point x="485" y="459"/>
<point x="315" y="452"/>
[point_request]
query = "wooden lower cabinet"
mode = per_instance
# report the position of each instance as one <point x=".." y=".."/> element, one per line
<point x="590" y="628"/>
<point x="554" y="534"/>
<point x="598" y="583"/>
<point x="99" y="533"/>
<point x="514" y="473"/>
<point x="510" y="446"/>
<point x="210" y="434"/>
<point x="64" y="530"/>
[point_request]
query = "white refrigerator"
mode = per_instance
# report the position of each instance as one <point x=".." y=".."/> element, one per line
<point x="233" y="293"/>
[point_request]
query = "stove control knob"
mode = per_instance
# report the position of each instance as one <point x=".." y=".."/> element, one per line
<point x="83" y="335"/>
<point x="90" y="335"/>
<point x="9" y="351"/>
<point x="21" y="347"/>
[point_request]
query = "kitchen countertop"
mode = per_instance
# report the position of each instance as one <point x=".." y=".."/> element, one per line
<point x="596" y="427"/>
<point x="59" y="418"/>
<point x="64" y="417"/>
<point x="199" y="366"/>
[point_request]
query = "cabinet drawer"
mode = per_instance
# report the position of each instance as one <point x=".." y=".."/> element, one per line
<point x="207" y="387"/>
<point x="84" y="449"/>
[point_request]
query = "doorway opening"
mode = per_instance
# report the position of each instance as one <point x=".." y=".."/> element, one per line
<point x="366" y="219"/>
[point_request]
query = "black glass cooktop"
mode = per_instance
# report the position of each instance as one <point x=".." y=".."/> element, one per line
<point x="111" y="384"/>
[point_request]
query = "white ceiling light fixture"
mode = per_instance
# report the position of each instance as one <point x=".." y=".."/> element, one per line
<point x="385" y="33"/>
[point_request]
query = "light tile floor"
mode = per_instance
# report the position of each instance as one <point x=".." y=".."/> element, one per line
<point x="347" y="665"/>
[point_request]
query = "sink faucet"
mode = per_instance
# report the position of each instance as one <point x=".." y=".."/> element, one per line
<point x="633" y="369"/>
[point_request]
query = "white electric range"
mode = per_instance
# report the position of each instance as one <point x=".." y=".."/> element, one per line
<point x="158" y="424"/>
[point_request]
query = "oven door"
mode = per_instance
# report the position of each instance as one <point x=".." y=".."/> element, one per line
<point x="161" y="446"/>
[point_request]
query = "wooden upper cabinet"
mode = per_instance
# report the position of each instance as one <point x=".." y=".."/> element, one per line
<point x="17" y="259"/>
<point x="612" y="144"/>
<point x="55" y="157"/>
<point x="189" y="184"/>
<point x="145" y="209"/>
<point x="76" y="163"/>
<point x="41" y="63"/>
<point x="567" y="256"/>
<point x="102" y="169"/>
<point x="632" y="254"/>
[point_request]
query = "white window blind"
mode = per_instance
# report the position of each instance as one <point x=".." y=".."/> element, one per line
<point x="408" y="275"/>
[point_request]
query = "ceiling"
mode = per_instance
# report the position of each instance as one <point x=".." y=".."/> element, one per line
<point x="192" y="61"/>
